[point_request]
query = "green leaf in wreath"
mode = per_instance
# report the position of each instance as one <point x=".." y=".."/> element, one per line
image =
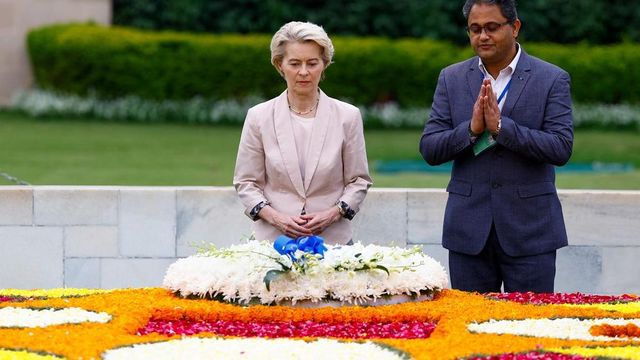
<point x="380" y="267"/>
<point x="270" y="276"/>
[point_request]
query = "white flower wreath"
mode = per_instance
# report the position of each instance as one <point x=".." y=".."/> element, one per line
<point x="256" y="272"/>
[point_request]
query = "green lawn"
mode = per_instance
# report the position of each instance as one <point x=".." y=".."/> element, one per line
<point x="48" y="152"/>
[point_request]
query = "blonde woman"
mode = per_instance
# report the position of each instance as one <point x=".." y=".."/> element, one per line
<point x="302" y="167"/>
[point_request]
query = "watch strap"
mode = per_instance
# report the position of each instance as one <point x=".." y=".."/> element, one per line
<point x="253" y="214"/>
<point x="345" y="210"/>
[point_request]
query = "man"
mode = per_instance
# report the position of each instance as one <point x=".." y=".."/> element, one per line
<point x="505" y="120"/>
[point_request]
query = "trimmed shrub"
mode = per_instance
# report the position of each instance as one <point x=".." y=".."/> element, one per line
<point x="599" y="74"/>
<point x="116" y="62"/>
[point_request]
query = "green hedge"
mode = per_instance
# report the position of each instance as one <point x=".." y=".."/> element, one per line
<point x="599" y="74"/>
<point x="116" y="62"/>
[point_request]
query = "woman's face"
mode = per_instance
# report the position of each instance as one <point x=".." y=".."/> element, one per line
<point x="302" y="67"/>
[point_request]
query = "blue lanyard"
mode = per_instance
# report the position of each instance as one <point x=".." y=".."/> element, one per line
<point x="504" y="91"/>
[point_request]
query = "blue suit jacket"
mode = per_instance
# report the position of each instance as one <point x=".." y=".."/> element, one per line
<point x="513" y="184"/>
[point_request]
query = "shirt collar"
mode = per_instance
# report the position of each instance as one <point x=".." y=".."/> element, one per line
<point x="510" y="68"/>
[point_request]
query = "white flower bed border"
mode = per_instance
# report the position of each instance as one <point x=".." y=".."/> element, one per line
<point x="30" y="318"/>
<point x="38" y="102"/>
<point x="254" y="348"/>
<point x="237" y="275"/>
<point x="560" y="328"/>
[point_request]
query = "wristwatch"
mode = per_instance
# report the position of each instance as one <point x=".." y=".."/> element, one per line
<point x="345" y="210"/>
<point x="495" y="134"/>
<point x="253" y="214"/>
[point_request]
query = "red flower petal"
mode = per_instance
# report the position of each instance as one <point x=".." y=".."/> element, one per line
<point x="534" y="355"/>
<point x="351" y="330"/>
<point x="560" y="298"/>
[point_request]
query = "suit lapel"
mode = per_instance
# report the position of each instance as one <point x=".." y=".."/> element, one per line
<point x="518" y="81"/>
<point x="474" y="78"/>
<point x="318" y="135"/>
<point x="287" y="142"/>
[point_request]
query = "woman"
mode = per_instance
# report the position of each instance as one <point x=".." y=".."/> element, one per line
<point x="302" y="167"/>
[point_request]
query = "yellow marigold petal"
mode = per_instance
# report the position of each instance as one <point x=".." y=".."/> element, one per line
<point x="623" y="352"/>
<point x="52" y="293"/>
<point x="631" y="307"/>
<point x="24" y="355"/>
<point x="452" y="310"/>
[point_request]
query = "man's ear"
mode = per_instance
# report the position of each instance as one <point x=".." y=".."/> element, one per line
<point x="516" y="28"/>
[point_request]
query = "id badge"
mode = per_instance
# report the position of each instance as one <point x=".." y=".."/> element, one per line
<point x="484" y="142"/>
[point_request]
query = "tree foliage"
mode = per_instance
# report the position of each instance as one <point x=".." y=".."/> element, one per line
<point x="559" y="21"/>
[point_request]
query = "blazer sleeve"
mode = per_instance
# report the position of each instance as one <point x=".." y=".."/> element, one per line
<point x="356" y="169"/>
<point x="441" y="141"/>
<point x="250" y="175"/>
<point x="552" y="143"/>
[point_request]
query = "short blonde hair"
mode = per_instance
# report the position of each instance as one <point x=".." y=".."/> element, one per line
<point x="296" y="31"/>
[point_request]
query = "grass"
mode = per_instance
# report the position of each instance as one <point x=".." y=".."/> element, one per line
<point x="589" y="146"/>
<point x="62" y="152"/>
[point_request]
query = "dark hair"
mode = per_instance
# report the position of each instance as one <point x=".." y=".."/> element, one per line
<point x="507" y="7"/>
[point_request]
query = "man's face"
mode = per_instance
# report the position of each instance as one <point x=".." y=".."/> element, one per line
<point x="491" y="37"/>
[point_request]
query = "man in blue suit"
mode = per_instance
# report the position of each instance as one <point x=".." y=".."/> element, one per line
<point x="504" y="118"/>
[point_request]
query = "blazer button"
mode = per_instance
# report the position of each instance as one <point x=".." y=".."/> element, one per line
<point x="495" y="185"/>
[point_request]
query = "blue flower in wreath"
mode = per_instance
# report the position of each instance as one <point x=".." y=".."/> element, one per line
<point x="285" y="245"/>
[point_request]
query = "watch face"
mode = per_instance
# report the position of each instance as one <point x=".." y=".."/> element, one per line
<point x="256" y="209"/>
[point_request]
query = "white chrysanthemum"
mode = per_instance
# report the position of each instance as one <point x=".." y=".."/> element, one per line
<point x="252" y="348"/>
<point x="23" y="317"/>
<point x="351" y="274"/>
<point x="561" y="328"/>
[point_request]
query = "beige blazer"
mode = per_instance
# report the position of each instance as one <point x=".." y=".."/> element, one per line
<point x="335" y="168"/>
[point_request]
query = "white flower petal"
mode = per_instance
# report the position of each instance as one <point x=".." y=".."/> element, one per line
<point x="24" y="317"/>
<point x="253" y="348"/>
<point x="349" y="274"/>
<point x="561" y="328"/>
